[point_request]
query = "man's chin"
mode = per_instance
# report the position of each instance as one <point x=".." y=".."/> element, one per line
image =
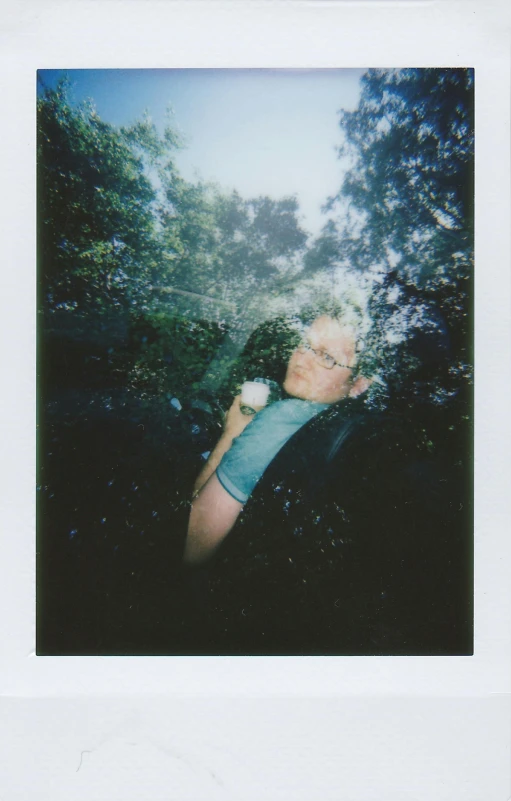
<point x="296" y="388"/>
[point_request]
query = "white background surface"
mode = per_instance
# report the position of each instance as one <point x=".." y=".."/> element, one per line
<point x="298" y="728"/>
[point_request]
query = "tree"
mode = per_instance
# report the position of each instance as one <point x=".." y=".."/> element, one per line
<point x="404" y="213"/>
<point x="410" y="186"/>
<point x="225" y="247"/>
<point x="97" y="236"/>
<point x="125" y="244"/>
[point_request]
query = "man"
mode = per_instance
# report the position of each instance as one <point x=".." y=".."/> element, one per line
<point x="355" y="535"/>
<point x="321" y="372"/>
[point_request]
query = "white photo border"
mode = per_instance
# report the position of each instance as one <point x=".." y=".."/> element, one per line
<point x="131" y="33"/>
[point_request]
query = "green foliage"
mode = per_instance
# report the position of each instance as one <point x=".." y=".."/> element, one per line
<point x="119" y="228"/>
<point x="171" y="353"/>
<point x="404" y="217"/>
<point x="410" y="187"/>
<point x="122" y="232"/>
<point x="96" y="226"/>
<point x="125" y="243"/>
<point x="265" y="355"/>
<point x="224" y="246"/>
<point x="324" y="255"/>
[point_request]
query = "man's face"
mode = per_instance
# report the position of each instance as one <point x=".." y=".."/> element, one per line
<point x="309" y="380"/>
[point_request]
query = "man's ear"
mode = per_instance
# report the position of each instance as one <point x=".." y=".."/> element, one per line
<point x="359" y="386"/>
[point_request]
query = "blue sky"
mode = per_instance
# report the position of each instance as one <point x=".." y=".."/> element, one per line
<point x="262" y="132"/>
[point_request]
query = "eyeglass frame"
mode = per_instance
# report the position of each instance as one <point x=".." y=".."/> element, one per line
<point x="306" y="346"/>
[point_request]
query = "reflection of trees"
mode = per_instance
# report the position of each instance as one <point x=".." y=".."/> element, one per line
<point x="122" y="234"/>
<point x="403" y="217"/>
<point x="96" y="229"/>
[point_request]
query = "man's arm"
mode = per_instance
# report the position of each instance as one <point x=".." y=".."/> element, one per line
<point x="235" y="423"/>
<point x="213" y="514"/>
<point x="213" y="511"/>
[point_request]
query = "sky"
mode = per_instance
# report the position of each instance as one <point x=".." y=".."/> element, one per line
<point x="261" y="132"/>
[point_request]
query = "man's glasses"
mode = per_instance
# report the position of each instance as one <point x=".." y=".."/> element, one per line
<point x="321" y="357"/>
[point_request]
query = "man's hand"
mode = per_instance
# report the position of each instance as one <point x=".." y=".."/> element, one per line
<point x="234" y="424"/>
<point x="235" y="420"/>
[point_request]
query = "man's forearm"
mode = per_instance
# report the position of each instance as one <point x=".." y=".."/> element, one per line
<point x="214" y="459"/>
<point x="235" y="423"/>
<point x="214" y="511"/>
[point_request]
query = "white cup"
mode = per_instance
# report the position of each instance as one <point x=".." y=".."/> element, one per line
<point x="254" y="395"/>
